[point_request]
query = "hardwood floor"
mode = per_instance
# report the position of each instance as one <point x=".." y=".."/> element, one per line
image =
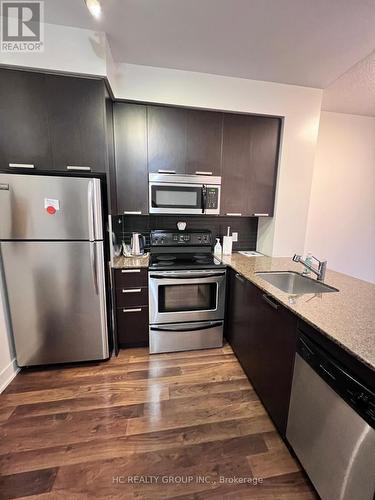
<point x="181" y="425"/>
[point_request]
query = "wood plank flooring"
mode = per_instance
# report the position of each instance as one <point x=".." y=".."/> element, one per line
<point x="181" y="425"/>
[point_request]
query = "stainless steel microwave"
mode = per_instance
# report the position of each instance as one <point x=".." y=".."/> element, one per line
<point x="184" y="194"/>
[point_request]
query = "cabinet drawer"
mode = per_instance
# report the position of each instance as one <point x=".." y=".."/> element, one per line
<point x="129" y="297"/>
<point x="131" y="278"/>
<point x="132" y="326"/>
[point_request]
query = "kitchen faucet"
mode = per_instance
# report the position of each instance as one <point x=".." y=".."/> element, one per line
<point x="320" y="271"/>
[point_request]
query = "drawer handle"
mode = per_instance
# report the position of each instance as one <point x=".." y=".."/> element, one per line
<point x="132" y="290"/>
<point x="136" y="310"/>
<point x="238" y="214"/>
<point x="269" y="301"/>
<point x="162" y="171"/>
<point x="130" y="270"/>
<point x="132" y="212"/>
<point x="240" y="278"/>
<point x="201" y="172"/>
<point x="78" y="167"/>
<point x="21" y="165"/>
<point x="261" y="215"/>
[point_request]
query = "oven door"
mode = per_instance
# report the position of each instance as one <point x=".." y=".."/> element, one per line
<point x="176" y="198"/>
<point x="177" y="296"/>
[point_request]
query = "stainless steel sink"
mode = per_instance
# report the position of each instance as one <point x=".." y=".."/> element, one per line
<point x="294" y="283"/>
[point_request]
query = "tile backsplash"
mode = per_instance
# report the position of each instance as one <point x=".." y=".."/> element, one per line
<point x="247" y="227"/>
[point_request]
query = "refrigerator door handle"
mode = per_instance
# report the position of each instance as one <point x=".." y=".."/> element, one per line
<point x="94" y="265"/>
<point x="90" y="204"/>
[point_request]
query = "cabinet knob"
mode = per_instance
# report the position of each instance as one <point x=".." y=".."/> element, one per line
<point x="233" y="214"/>
<point x="132" y="212"/>
<point x="261" y="215"/>
<point x="162" y="171"/>
<point x="130" y="271"/>
<point x="136" y="310"/>
<point x="201" y="172"/>
<point x="131" y="290"/>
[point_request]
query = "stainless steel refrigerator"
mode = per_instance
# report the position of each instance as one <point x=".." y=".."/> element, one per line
<point x="52" y="260"/>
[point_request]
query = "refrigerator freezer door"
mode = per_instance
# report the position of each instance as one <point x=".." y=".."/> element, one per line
<point x="56" y="298"/>
<point x="39" y="207"/>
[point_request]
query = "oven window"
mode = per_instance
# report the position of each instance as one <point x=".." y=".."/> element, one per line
<point x="176" y="196"/>
<point x="197" y="297"/>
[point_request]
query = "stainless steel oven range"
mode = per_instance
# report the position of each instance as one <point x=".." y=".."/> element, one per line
<point x="186" y="292"/>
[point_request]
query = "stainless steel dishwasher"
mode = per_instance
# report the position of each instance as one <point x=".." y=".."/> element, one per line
<point x="331" y="425"/>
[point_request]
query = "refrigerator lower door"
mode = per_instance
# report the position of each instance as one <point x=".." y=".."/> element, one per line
<point x="56" y="296"/>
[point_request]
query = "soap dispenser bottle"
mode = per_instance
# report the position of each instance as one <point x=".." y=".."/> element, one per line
<point x="217" y="248"/>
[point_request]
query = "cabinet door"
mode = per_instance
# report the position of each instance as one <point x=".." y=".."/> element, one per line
<point x="167" y="139"/>
<point x="263" y="334"/>
<point x="76" y="108"/>
<point x="264" y="155"/>
<point x="272" y="342"/>
<point x="24" y="137"/>
<point x="238" y="318"/>
<point x="236" y="164"/>
<point x="131" y="157"/>
<point x="204" y="140"/>
<point x="250" y="159"/>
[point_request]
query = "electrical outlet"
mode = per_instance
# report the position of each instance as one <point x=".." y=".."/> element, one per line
<point x="234" y="236"/>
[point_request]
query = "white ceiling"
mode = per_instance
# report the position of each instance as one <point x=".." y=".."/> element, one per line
<point x="302" y="42"/>
<point x="354" y="91"/>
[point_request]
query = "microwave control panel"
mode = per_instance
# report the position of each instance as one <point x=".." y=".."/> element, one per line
<point x="212" y="198"/>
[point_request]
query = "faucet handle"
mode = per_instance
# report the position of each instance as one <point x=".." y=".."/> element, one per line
<point x="296" y="258"/>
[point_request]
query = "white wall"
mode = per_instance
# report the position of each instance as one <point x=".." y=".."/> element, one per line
<point x="66" y="49"/>
<point x="284" y="234"/>
<point x="341" y="223"/>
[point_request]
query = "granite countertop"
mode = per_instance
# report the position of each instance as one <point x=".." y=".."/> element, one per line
<point x="347" y="317"/>
<point x="124" y="262"/>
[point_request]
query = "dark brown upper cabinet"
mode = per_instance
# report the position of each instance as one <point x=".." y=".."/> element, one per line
<point x="24" y="137"/>
<point x="236" y="165"/>
<point x="76" y="111"/>
<point x="167" y="139"/>
<point x="264" y="158"/>
<point x="203" y="142"/>
<point x="249" y="164"/>
<point x="130" y="132"/>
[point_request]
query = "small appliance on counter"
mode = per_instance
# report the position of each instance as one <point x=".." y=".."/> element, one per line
<point x="137" y="244"/>
<point x="186" y="292"/>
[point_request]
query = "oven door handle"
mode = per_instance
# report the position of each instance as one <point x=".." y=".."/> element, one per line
<point x="182" y="328"/>
<point x="186" y="277"/>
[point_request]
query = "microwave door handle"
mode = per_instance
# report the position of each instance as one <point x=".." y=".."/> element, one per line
<point x="204" y="198"/>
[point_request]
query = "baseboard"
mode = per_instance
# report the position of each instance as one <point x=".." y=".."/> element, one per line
<point x="8" y="374"/>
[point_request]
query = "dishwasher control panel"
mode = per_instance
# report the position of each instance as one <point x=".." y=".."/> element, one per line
<point x="359" y="397"/>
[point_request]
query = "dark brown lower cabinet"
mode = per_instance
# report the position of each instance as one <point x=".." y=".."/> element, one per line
<point x="263" y="336"/>
<point x="131" y="306"/>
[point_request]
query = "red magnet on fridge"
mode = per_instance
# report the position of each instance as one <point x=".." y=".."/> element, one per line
<point x="51" y="210"/>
